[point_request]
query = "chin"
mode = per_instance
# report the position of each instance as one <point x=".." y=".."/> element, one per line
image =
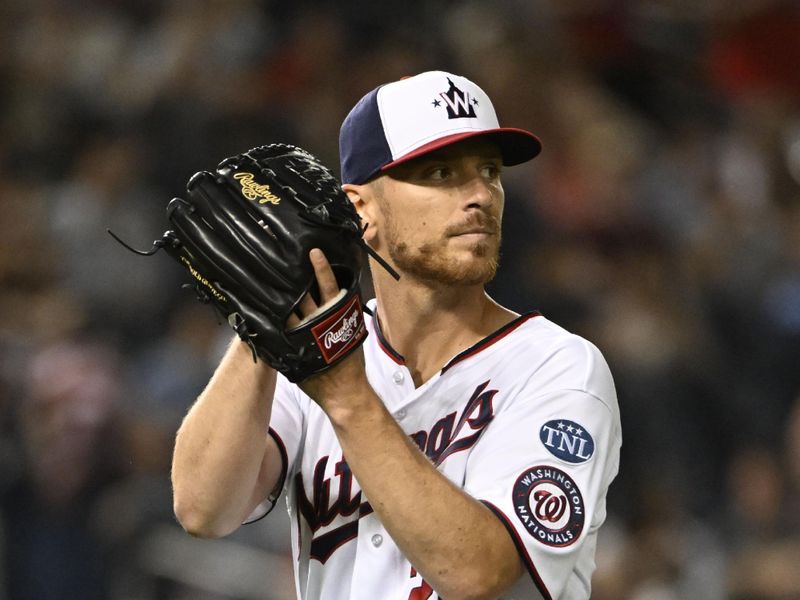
<point x="476" y="265"/>
<point x="455" y="272"/>
<point x="479" y="274"/>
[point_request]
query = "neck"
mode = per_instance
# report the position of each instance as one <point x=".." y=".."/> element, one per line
<point x="429" y="325"/>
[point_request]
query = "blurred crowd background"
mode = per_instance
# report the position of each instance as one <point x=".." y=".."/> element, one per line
<point x="662" y="221"/>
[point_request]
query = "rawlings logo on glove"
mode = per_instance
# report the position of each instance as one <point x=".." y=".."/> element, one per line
<point x="341" y="332"/>
<point x="255" y="191"/>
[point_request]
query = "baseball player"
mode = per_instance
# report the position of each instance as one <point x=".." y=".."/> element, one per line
<point x="463" y="450"/>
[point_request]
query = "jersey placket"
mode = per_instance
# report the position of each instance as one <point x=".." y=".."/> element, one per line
<point x="379" y="563"/>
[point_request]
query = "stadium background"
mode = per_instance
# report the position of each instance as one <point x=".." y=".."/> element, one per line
<point x="662" y="221"/>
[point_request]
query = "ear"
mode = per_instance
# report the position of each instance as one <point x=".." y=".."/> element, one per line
<point x="362" y="198"/>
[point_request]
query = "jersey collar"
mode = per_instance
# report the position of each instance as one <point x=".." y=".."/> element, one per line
<point x="384" y="343"/>
<point x="490" y="339"/>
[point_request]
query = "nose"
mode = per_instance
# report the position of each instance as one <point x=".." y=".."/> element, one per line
<point x="480" y="193"/>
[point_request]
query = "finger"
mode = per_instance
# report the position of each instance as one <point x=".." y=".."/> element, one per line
<point x="328" y="288"/>
<point x="307" y="306"/>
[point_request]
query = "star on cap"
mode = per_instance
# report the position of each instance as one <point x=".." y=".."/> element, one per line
<point x="437" y="102"/>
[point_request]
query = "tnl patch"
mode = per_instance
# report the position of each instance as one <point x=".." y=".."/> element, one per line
<point x="550" y="506"/>
<point x="567" y="440"/>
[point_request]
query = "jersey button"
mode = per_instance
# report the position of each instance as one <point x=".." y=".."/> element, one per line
<point x="377" y="540"/>
<point x="398" y="377"/>
<point x="400" y="414"/>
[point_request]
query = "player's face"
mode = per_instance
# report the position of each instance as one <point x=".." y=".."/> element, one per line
<point x="439" y="215"/>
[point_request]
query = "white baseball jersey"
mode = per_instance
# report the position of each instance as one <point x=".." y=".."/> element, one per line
<point x="526" y="421"/>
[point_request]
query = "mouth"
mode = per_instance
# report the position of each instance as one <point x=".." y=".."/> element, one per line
<point x="474" y="230"/>
<point x="477" y="234"/>
<point x="477" y="228"/>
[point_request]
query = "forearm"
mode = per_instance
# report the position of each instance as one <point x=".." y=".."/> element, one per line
<point x="453" y="540"/>
<point x="221" y="444"/>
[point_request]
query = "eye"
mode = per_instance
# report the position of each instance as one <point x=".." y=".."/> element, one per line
<point x="491" y="170"/>
<point x="439" y="173"/>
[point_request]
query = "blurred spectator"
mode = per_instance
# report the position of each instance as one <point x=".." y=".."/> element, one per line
<point x="66" y="420"/>
<point x="762" y="528"/>
<point x="105" y="189"/>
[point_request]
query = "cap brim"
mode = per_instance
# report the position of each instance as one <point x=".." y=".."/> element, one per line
<point x="516" y="145"/>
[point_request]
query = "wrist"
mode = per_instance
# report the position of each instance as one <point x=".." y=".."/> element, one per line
<point x="342" y="391"/>
<point x="347" y="407"/>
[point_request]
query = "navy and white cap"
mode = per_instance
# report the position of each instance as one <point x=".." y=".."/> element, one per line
<point x="405" y="119"/>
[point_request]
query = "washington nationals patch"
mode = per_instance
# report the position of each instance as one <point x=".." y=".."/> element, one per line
<point x="550" y="505"/>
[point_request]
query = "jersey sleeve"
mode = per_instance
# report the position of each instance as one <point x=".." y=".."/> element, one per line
<point x="286" y="427"/>
<point x="543" y="466"/>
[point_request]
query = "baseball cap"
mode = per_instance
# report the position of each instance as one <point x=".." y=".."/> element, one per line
<point x="408" y="118"/>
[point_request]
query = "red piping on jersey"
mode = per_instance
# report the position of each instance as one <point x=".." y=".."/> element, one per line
<point x="491" y="338"/>
<point x="523" y="552"/>
<point x="385" y="345"/>
<point x="284" y="457"/>
<point x="281" y="479"/>
<point x="474" y="349"/>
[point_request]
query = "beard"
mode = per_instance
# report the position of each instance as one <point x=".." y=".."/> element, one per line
<point x="433" y="262"/>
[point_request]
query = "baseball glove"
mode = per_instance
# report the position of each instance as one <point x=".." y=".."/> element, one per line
<point x="244" y="234"/>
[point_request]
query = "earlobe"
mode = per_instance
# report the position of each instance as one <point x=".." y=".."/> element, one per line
<point x="359" y="198"/>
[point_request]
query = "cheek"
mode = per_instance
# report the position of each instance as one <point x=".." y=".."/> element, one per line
<point x="501" y="203"/>
<point x="416" y="221"/>
<point x="412" y="223"/>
